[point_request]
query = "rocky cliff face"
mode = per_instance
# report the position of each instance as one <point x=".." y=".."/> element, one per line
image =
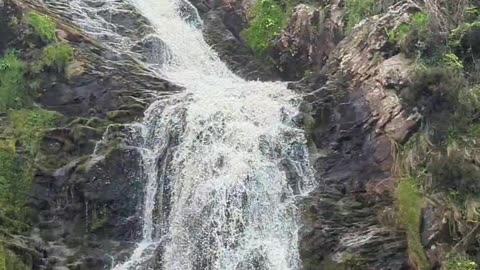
<point x="86" y="196"/>
<point x="356" y="121"/>
<point x="359" y="114"/>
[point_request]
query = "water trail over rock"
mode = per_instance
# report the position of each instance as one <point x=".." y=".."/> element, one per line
<point x="223" y="160"/>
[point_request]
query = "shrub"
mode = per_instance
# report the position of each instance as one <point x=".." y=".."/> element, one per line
<point x="465" y="41"/>
<point x="28" y="126"/>
<point x="420" y="21"/>
<point x="399" y="33"/>
<point x="469" y="100"/>
<point x="454" y="173"/>
<point x="357" y="10"/>
<point x="268" y="19"/>
<point x="12" y="94"/>
<point x="56" y="56"/>
<point x="42" y="25"/>
<point x="410" y="203"/>
<point x="458" y="262"/>
<point x="434" y="91"/>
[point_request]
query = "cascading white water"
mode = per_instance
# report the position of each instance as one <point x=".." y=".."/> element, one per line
<point x="215" y="156"/>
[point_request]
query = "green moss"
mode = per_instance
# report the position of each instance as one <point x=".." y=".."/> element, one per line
<point x="357" y="10"/>
<point x="55" y="56"/>
<point x="12" y="92"/>
<point x="458" y="262"/>
<point x="267" y="20"/>
<point x="28" y="126"/>
<point x="410" y="202"/>
<point x="42" y="25"/>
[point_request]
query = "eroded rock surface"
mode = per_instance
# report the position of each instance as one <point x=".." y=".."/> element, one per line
<point x="358" y="121"/>
<point x="86" y="199"/>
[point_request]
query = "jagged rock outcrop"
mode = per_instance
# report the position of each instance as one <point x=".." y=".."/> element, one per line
<point x="308" y="39"/>
<point x="356" y="121"/>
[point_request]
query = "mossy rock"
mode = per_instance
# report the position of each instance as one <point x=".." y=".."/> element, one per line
<point x="121" y="116"/>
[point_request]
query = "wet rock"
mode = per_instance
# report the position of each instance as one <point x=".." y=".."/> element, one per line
<point x="152" y="50"/>
<point x="358" y="119"/>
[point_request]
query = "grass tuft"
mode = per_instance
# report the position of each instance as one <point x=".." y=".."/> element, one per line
<point x="28" y="126"/>
<point x="12" y="94"/>
<point x="56" y="56"/>
<point x="410" y="202"/>
<point x="42" y="25"/>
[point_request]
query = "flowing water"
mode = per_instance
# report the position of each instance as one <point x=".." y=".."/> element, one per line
<point x="223" y="161"/>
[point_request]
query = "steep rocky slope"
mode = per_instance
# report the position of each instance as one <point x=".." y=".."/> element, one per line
<point x="382" y="122"/>
<point x="84" y="200"/>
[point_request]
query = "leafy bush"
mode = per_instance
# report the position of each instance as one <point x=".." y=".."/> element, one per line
<point x="56" y="56"/>
<point x="28" y="126"/>
<point x="410" y="203"/>
<point x="42" y="25"/>
<point x="458" y="262"/>
<point x="357" y="10"/>
<point x="12" y="94"/>
<point x="268" y="19"/>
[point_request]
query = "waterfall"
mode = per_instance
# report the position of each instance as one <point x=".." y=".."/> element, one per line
<point x="223" y="161"/>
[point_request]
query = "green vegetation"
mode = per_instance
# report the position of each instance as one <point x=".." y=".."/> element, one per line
<point x="9" y="261"/>
<point x="442" y="157"/>
<point x="458" y="262"/>
<point x="15" y="182"/>
<point x="27" y="126"/>
<point x="410" y="203"/>
<point x="267" y="20"/>
<point x="12" y="94"/>
<point x="357" y="10"/>
<point x="56" y="56"/>
<point x="42" y="25"/>
<point x="25" y="129"/>
<point x="407" y="36"/>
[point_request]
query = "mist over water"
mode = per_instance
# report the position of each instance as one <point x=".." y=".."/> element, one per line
<point x="223" y="161"/>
